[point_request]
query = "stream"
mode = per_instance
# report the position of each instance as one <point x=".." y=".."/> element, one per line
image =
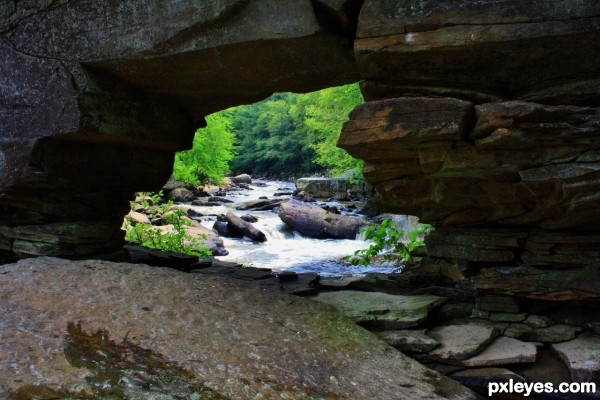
<point x="286" y="250"/>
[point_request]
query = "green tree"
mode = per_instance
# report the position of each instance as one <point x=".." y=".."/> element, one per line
<point x="295" y="133"/>
<point x="325" y="117"/>
<point x="213" y="149"/>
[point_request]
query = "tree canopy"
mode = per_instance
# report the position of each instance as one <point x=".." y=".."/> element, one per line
<point x="284" y="135"/>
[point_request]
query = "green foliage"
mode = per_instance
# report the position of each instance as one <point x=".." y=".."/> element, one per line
<point x="325" y="117"/>
<point x="178" y="240"/>
<point x="388" y="243"/>
<point x="212" y="150"/>
<point x="294" y="133"/>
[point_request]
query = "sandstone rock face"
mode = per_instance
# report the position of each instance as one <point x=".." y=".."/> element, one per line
<point x="89" y="116"/>
<point x="482" y="119"/>
<point x="75" y="329"/>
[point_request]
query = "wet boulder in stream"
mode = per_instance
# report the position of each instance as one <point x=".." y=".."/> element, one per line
<point x="311" y="220"/>
<point x="237" y="225"/>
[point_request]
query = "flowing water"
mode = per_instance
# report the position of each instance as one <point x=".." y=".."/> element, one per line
<point x="285" y="250"/>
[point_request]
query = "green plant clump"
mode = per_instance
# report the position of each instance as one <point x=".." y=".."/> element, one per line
<point x="176" y="240"/>
<point x="388" y="244"/>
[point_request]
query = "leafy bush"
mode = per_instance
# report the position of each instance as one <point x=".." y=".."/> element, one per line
<point x="388" y="243"/>
<point x="178" y="240"/>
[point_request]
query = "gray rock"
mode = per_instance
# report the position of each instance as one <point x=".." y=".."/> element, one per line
<point x="409" y="341"/>
<point x="537" y="321"/>
<point x="552" y="334"/>
<point x="167" y="334"/>
<point x="330" y="187"/>
<point x="502" y="351"/>
<point x="180" y="195"/>
<point x="458" y="342"/>
<point x="517" y="331"/>
<point x="313" y="221"/>
<point x="381" y="310"/>
<point x="582" y="357"/>
<point x="243" y="178"/>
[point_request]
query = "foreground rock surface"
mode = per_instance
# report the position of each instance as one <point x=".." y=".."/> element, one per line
<point x="78" y="329"/>
<point x="382" y="310"/>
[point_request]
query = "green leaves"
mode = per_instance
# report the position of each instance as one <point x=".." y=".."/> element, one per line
<point x="212" y="150"/>
<point x="177" y="240"/>
<point x="388" y="244"/>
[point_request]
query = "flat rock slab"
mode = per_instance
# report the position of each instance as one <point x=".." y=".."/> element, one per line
<point x="582" y="356"/>
<point x="77" y="329"/>
<point x="552" y="334"/>
<point x="409" y="341"/>
<point x="382" y="310"/>
<point x="502" y="351"/>
<point x="458" y="342"/>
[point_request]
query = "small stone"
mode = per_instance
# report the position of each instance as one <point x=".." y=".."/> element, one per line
<point x="382" y="310"/>
<point x="409" y="341"/>
<point x="137" y="218"/>
<point x="552" y="334"/>
<point x="517" y="331"/>
<point x="180" y="195"/>
<point x="582" y="357"/>
<point x="458" y="342"/>
<point x="503" y="351"/>
<point x="537" y="321"/>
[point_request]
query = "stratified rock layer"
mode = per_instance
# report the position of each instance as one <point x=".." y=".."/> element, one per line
<point x="90" y="115"/>
<point x="482" y="119"/>
<point x="71" y="329"/>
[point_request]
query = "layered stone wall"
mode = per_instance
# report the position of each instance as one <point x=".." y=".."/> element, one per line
<point x="481" y="117"/>
<point x="482" y="120"/>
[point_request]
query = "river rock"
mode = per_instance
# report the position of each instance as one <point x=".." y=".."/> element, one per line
<point x="137" y="218"/>
<point x="382" y="310"/>
<point x="259" y="205"/>
<point x="73" y="329"/>
<point x="458" y="342"/>
<point x="236" y="224"/>
<point x="249" y="218"/>
<point x="311" y="220"/>
<point x="582" y="356"/>
<point x="180" y="195"/>
<point x="243" y="178"/>
<point x="552" y="334"/>
<point x="325" y="188"/>
<point x="409" y="341"/>
<point x="502" y="351"/>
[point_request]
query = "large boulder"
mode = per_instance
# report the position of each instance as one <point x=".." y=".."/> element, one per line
<point x="311" y="220"/>
<point x="98" y="329"/>
<point x="243" y="178"/>
<point x="331" y="187"/>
